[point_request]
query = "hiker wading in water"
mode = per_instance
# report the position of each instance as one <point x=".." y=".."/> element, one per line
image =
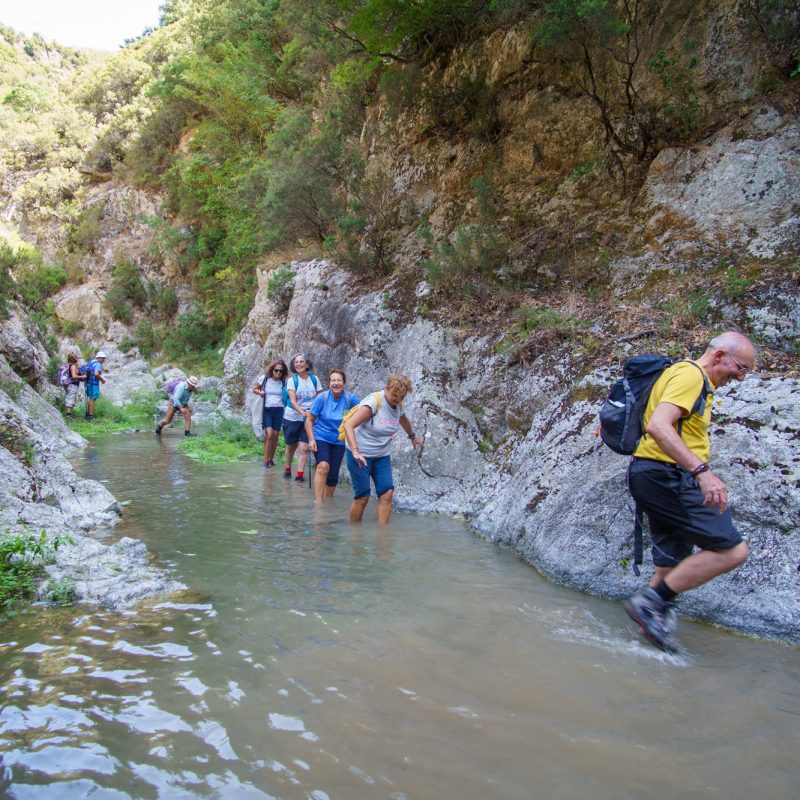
<point x="302" y="389"/>
<point x="322" y="429"/>
<point x="672" y="482"/>
<point x="369" y="433"/>
<point x="180" y="400"/>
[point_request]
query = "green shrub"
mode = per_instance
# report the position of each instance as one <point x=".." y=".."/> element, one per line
<point x="227" y="439"/>
<point x="84" y="231"/>
<point x="22" y="556"/>
<point x="279" y="280"/>
<point x="8" y="261"/>
<point x="163" y="299"/>
<point x="70" y="328"/>
<point x="126" y="289"/>
<point x="146" y="338"/>
<point x="37" y="281"/>
<point x="62" y="592"/>
<point x="126" y="344"/>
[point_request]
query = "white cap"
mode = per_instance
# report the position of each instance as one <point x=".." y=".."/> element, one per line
<point x="101" y="354"/>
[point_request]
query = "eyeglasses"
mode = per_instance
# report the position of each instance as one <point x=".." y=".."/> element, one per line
<point x="741" y="367"/>
<point x="277" y="372"/>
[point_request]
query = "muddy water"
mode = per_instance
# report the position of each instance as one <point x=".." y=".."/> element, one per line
<point x="314" y="659"/>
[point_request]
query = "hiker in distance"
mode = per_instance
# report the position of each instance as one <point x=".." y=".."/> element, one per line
<point x="671" y="480"/>
<point x="322" y="428"/>
<point x="93" y="372"/>
<point x="180" y="400"/>
<point x="74" y="386"/>
<point x="270" y="387"/>
<point x="369" y="433"/>
<point x="301" y="390"/>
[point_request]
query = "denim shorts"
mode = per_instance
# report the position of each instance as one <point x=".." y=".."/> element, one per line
<point x="272" y="418"/>
<point x="333" y="454"/>
<point x="294" y="432"/>
<point x="378" y="469"/>
<point x="675" y="508"/>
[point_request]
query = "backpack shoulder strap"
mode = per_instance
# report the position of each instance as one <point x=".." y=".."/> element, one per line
<point x="700" y="404"/>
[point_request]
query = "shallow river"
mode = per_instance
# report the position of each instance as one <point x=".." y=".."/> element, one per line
<point x="315" y="659"/>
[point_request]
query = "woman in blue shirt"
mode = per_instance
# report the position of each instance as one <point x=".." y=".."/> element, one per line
<point x="322" y="427"/>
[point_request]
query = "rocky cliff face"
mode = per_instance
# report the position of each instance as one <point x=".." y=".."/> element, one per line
<point x="41" y="492"/>
<point x="510" y="443"/>
<point x="513" y="451"/>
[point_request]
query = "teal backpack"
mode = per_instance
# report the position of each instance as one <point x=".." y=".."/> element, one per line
<point x="296" y="380"/>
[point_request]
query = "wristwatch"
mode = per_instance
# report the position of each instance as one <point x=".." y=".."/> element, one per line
<point x="701" y="468"/>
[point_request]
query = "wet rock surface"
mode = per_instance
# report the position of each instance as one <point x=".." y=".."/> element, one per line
<point x="510" y="448"/>
<point x="41" y="492"/>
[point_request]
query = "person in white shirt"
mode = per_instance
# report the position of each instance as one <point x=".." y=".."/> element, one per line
<point x="369" y="434"/>
<point x="302" y="388"/>
<point x="270" y="386"/>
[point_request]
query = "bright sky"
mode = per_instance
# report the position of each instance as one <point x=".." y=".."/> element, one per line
<point x="95" y="24"/>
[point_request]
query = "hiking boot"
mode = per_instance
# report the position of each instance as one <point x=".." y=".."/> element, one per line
<point x="287" y="473"/>
<point x="158" y="430"/>
<point x="299" y="477"/>
<point x="656" y="619"/>
<point x="88" y="416"/>
<point x="189" y="433"/>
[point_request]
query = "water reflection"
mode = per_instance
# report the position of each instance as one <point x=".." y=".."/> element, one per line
<point x="315" y="659"/>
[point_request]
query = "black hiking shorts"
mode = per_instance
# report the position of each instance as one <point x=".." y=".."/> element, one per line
<point x="673" y="502"/>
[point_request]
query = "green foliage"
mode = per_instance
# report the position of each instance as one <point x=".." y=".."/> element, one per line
<point x="279" y="281"/>
<point x="9" y="259"/>
<point x="22" y="556"/>
<point x="126" y="343"/>
<point x="535" y="318"/>
<point x="191" y="333"/>
<point x="682" y="313"/>
<point x="147" y="339"/>
<point x="36" y="281"/>
<point x="227" y="439"/>
<point x="680" y="116"/>
<point x="139" y="413"/>
<point x="126" y="290"/>
<point x="62" y="592"/>
<point x="602" y="42"/>
<point x="465" y="103"/>
<point x="777" y="22"/>
<point x="163" y="299"/>
<point x="736" y="286"/>
<point x="70" y="328"/>
<point x="477" y="254"/>
<point x="85" y="229"/>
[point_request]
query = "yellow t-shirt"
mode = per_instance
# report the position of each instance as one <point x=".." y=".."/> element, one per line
<point x="681" y="385"/>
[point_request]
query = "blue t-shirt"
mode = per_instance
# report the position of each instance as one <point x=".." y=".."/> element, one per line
<point x="328" y="413"/>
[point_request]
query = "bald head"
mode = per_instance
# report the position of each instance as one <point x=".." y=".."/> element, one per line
<point x="734" y="343"/>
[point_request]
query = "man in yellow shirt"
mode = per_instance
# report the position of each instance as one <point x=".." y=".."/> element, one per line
<point x="672" y="482"/>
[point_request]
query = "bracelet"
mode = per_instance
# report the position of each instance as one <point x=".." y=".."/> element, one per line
<point x="700" y="468"/>
<point x="412" y="435"/>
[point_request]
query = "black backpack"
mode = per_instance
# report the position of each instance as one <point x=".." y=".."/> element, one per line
<point x="622" y="416"/>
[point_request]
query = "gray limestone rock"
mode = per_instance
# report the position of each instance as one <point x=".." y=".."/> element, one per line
<point x="509" y="448"/>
